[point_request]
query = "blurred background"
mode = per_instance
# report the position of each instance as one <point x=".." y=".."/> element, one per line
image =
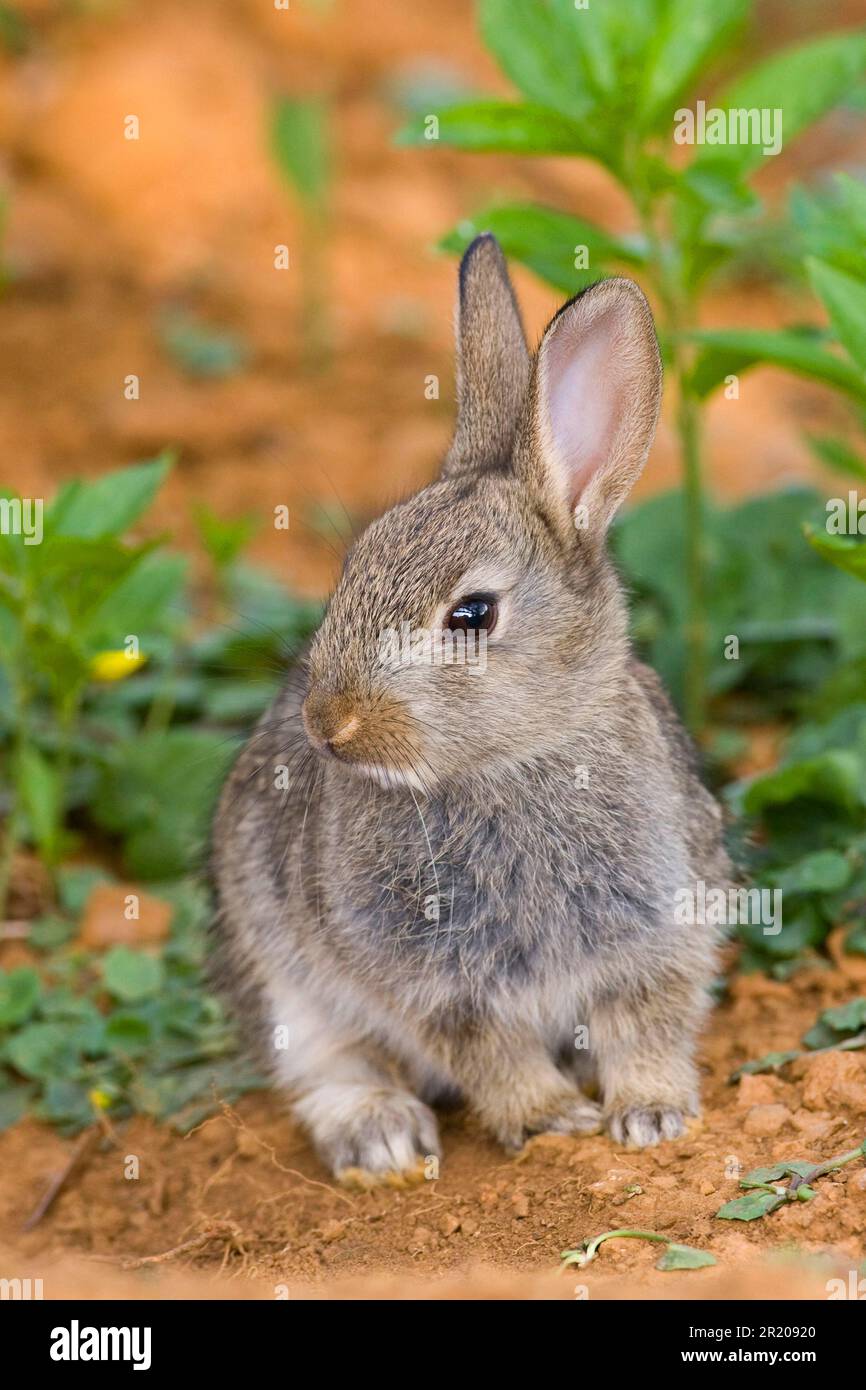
<point x="155" y="257"/>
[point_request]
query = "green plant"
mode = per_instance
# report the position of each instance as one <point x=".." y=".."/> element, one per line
<point x="78" y="604"/>
<point x="119" y="715"/>
<point x="829" y="231"/>
<point x="841" y="1029"/>
<point x="15" y="31"/>
<point x="674" y="1256"/>
<point x="811" y="810"/>
<point x="605" y="81"/>
<point x="799" y="663"/>
<point x="103" y="673"/>
<point x="199" y="350"/>
<point x="89" y="1034"/>
<point x="223" y="538"/>
<point x="300" y="144"/>
<point x="766" y="1191"/>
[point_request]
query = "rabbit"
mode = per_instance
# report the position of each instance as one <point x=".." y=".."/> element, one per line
<point x="454" y="880"/>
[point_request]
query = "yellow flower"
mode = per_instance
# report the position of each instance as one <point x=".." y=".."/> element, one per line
<point x="115" y="666"/>
<point x="100" y="1100"/>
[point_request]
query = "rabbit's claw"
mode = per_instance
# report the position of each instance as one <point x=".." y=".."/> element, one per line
<point x="385" y="1141"/>
<point x="644" y="1126"/>
<point x="362" y="1180"/>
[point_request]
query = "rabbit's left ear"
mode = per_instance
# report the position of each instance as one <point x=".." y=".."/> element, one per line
<point x="592" y="408"/>
<point x="492" y="362"/>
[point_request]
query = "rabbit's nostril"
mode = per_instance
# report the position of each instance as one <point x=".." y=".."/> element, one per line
<point x="343" y="734"/>
<point x="330" y="721"/>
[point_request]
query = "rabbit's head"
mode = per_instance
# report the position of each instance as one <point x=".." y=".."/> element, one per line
<point x="479" y="624"/>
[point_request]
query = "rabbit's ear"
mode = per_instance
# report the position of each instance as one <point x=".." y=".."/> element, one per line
<point x="492" y="362"/>
<point x="593" y="406"/>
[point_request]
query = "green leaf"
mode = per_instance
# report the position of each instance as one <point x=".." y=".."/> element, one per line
<point x="301" y="147"/>
<point x="729" y="352"/>
<point x="772" y="1061"/>
<point x="51" y="932"/>
<point x="75" y="883"/>
<point x="131" y="975"/>
<point x="40" y="789"/>
<point x="847" y="1018"/>
<point x="832" y="223"/>
<point x="108" y="506"/>
<point x="777" y="1172"/>
<point x="838" y="455"/>
<point x="16" y="36"/>
<point x="127" y="1033"/>
<point x="690" y="34"/>
<point x="751" y="1207"/>
<point x="538" y="45"/>
<point x="844" y="298"/>
<point x="855" y="940"/>
<point x="502" y="127"/>
<point x="66" y="1103"/>
<point x="825" y="871"/>
<point x="14" y="1103"/>
<point x="159" y="789"/>
<point x="146" y="600"/>
<point x="820" y="1035"/>
<point x="199" y="349"/>
<point x="835" y="776"/>
<point x="684" y="1257"/>
<point x="43" y="1050"/>
<point x="19" y="995"/>
<point x="548" y="242"/>
<point x="224" y="537"/>
<point x="845" y="552"/>
<point x="804" y="82"/>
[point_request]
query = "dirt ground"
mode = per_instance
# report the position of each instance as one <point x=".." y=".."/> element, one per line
<point x="244" y="1201"/>
<point x="104" y="236"/>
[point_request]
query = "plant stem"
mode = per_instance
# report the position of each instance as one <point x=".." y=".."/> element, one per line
<point x="831" y="1164"/>
<point x="7" y="853"/>
<point x="10" y="829"/>
<point x="584" y="1257"/>
<point x="688" y="425"/>
<point x="677" y="308"/>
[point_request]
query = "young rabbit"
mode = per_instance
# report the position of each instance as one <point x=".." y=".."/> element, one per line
<point x="443" y="877"/>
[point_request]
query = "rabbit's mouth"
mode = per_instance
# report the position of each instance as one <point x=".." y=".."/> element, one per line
<point x="390" y="778"/>
<point x="339" y="730"/>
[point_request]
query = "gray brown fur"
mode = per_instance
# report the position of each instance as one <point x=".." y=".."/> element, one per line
<point x="556" y="901"/>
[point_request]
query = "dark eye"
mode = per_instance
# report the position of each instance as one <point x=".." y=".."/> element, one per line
<point x="476" y="613"/>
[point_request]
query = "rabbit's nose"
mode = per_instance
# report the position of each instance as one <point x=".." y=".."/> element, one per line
<point x="330" y="720"/>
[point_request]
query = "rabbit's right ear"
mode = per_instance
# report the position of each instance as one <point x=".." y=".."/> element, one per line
<point x="591" y="409"/>
<point x="492" y="362"/>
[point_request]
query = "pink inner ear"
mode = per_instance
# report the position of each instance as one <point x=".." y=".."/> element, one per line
<point x="584" y="393"/>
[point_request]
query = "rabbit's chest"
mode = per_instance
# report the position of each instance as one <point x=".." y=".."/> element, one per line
<point x="506" y="892"/>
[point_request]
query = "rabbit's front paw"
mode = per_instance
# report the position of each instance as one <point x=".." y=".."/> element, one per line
<point x="642" y="1126"/>
<point x="382" y="1139"/>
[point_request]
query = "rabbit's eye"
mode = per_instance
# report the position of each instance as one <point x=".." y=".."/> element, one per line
<point x="476" y="613"/>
